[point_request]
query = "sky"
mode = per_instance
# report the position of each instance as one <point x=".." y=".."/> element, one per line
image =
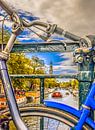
<point x="62" y="62"/>
<point x="75" y="16"/>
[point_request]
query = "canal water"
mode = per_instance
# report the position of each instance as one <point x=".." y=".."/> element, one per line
<point x="51" y="124"/>
<point x="67" y="98"/>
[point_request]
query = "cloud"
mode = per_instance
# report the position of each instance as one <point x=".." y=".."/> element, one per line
<point x="62" y="67"/>
<point x="7" y="23"/>
<point x="76" y="16"/>
<point x="68" y="57"/>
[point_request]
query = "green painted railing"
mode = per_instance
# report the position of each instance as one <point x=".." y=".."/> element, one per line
<point x="85" y="60"/>
<point x="41" y="76"/>
<point x="44" y="47"/>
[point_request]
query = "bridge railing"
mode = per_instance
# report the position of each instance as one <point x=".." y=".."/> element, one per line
<point x="44" y="47"/>
<point x="42" y="77"/>
<point x="85" y="60"/>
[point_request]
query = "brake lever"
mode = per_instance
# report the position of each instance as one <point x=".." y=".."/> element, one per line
<point x="91" y="40"/>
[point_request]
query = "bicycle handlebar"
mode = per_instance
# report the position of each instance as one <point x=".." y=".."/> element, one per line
<point x="57" y="30"/>
<point x="6" y="7"/>
<point x="50" y="29"/>
<point x="72" y="36"/>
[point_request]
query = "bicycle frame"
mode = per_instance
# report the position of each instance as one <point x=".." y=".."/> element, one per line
<point x="8" y="87"/>
<point x="81" y="114"/>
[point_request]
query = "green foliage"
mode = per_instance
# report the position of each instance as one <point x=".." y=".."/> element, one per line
<point x="6" y="37"/>
<point x="20" y="64"/>
<point x="74" y="84"/>
<point x="65" y="84"/>
<point x="37" y="65"/>
<point x="71" y="83"/>
<point x="51" y="83"/>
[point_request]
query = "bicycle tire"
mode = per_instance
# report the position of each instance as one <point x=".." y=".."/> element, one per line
<point x="43" y="111"/>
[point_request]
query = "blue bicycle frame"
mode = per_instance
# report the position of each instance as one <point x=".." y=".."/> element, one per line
<point x="82" y="114"/>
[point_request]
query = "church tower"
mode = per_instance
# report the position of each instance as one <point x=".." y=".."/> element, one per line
<point x="51" y="68"/>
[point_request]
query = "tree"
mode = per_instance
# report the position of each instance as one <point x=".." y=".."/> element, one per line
<point x="37" y="65"/>
<point x="51" y="83"/>
<point x="6" y="37"/>
<point x="74" y="84"/>
<point x="20" y="64"/>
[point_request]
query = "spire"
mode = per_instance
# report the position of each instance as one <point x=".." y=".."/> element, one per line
<point x="51" y="68"/>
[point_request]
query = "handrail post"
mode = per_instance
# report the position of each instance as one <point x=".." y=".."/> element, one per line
<point x="41" y="101"/>
<point x="85" y="60"/>
<point x="41" y="90"/>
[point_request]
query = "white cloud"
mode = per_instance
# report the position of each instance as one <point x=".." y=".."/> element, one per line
<point x="6" y="22"/>
<point x="68" y="58"/>
<point x="63" y="67"/>
<point x="24" y="38"/>
<point x="74" y="15"/>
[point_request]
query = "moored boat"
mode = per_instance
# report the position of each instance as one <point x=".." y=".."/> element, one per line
<point x="57" y="95"/>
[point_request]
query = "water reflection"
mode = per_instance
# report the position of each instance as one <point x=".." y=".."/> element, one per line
<point x="51" y="124"/>
<point x="68" y="98"/>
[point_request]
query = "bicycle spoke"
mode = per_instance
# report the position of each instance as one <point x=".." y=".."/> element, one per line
<point x="49" y="124"/>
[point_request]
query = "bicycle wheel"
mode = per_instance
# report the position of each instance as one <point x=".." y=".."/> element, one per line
<point x="52" y="119"/>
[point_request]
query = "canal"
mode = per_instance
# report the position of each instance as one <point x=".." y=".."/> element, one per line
<point x="51" y="124"/>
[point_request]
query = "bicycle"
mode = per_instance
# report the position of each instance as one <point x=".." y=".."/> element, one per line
<point x="75" y="119"/>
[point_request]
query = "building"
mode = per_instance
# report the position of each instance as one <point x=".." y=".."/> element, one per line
<point x="51" y="68"/>
<point x="20" y="101"/>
